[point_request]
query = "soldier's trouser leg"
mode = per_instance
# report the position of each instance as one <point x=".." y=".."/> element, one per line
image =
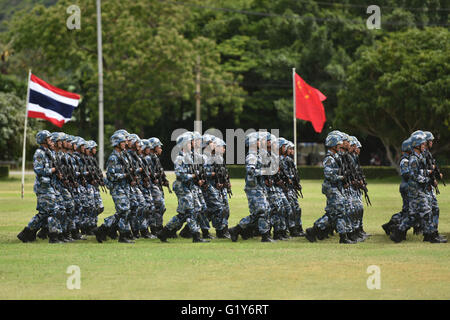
<point x="214" y="203"/>
<point x="258" y="207"/>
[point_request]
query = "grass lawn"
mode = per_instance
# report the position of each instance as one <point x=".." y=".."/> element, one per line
<point x="180" y="269"/>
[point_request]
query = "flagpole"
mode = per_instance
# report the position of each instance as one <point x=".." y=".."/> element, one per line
<point x="100" y="88"/>
<point x="294" y="116"/>
<point x="25" y="133"/>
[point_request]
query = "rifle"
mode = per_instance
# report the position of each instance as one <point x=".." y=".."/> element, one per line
<point x="54" y="162"/>
<point x="146" y="171"/>
<point x="296" y="179"/>
<point x="435" y="175"/>
<point x="95" y="176"/>
<point x="131" y="176"/>
<point x="161" y="175"/>
<point x="222" y="177"/>
<point x="362" y="185"/>
<point x="68" y="171"/>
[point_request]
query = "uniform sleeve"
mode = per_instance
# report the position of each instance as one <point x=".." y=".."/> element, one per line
<point x="331" y="170"/>
<point x="416" y="173"/>
<point x="114" y="171"/>
<point x="250" y="166"/>
<point x="404" y="169"/>
<point x="182" y="171"/>
<point x="41" y="165"/>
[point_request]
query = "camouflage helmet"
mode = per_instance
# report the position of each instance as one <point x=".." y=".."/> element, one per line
<point x="145" y="143"/>
<point x="282" y="142"/>
<point x="417" y="140"/>
<point x="133" y="138"/>
<point x="354" y="141"/>
<point x="91" y="144"/>
<point x="429" y="135"/>
<point x="184" y="137"/>
<point x="219" y="142"/>
<point x="41" y="136"/>
<point x="251" y="138"/>
<point x="117" y="138"/>
<point x="81" y="142"/>
<point x="290" y="144"/>
<point x="154" y="142"/>
<point x="196" y="135"/>
<point x="122" y="132"/>
<point x="333" y="140"/>
<point x="56" y="136"/>
<point x="406" y="145"/>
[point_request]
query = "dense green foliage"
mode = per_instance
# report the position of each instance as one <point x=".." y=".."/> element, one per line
<point x="247" y="50"/>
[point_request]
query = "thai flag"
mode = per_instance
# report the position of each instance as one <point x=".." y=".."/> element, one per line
<point x="50" y="103"/>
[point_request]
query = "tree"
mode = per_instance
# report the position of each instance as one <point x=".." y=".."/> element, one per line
<point x="399" y="85"/>
<point x="12" y="119"/>
<point x="149" y="65"/>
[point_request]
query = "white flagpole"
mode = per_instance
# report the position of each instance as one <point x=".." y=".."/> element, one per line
<point x="101" y="148"/>
<point x="294" y="116"/>
<point x="25" y="133"/>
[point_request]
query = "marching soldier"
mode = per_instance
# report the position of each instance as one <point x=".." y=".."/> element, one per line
<point x="47" y="205"/>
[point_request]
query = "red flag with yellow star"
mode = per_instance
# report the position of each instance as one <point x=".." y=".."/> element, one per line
<point x="308" y="104"/>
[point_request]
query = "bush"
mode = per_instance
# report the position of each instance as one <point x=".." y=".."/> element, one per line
<point x="4" y="171"/>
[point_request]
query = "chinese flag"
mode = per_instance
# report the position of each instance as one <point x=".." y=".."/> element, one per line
<point x="308" y="104"/>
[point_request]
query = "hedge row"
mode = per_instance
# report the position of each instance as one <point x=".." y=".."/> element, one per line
<point x="4" y="171"/>
<point x="316" y="172"/>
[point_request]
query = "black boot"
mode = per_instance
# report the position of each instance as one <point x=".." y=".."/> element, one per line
<point x="53" y="237"/>
<point x="293" y="232"/>
<point x="311" y="234"/>
<point x="266" y="237"/>
<point x="300" y="231"/>
<point x="134" y="234"/>
<point x="154" y="230"/>
<point x="43" y="233"/>
<point x="100" y="233"/>
<point x="343" y="238"/>
<point x="397" y="235"/>
<point x="387" y="227"/>
<point x="172" y="234"/>
<point x="235" y="232"/>
<point x="185" y="232"/>
<point x="125" y="237"/>
<point x="68" y="236"/>
<point x="163" y="234"/>
<point x="76" y="235"/>
<point x="27" y="235"/>
<point x="224" y="233"/>
<point x="196" y="238"/>
<point x="145" y="234"/>
<point x="112" y="232"/>
<point x="206" y="234"/>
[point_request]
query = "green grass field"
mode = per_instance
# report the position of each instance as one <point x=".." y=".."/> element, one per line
<point x="180" y="269"/>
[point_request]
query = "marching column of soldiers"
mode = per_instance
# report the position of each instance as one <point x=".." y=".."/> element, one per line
<point x="344" y="185"/>
<point x="69" y="180"/>
<point x="67" y="185"/>
<point x="418" y="188"/>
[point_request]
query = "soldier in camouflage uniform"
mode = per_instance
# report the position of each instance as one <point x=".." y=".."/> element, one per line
<point x="183" y="188"/>
<point x="117" y="180"/>
<point x="332" y="188"/>
<point x="419" y="204"/>
<point x="433" y="189"/>
<point x="155" y="151"/>
<point x="256" y="194"/>
<point x="47" y="205"/>
<point x="397" y="218"/>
